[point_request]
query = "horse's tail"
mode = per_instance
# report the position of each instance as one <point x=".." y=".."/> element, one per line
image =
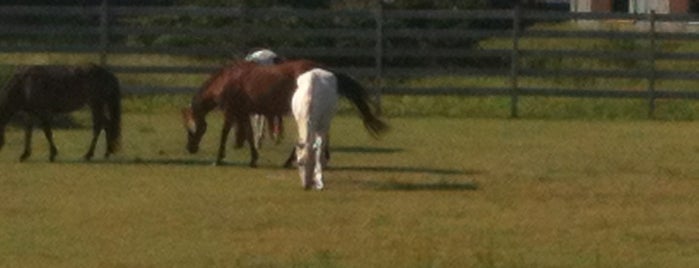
<point x="352" y="90"/>
<point x="113" y="102"/>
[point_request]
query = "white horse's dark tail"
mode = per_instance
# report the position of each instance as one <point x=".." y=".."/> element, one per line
<point x="350" y="88"/>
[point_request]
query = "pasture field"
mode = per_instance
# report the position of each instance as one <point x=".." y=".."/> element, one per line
<point x="434" y="192"/>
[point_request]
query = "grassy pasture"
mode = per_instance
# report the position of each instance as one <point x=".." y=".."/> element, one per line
<point x="435" y="192"/>
<point x="453" y="185"/>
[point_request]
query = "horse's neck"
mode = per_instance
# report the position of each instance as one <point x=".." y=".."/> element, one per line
<point x="202" y="106"/>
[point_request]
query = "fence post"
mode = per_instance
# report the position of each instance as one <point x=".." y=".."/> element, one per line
<point x="514" y="59"/>
<point x="378" y="56"/>
<point x="104" y="32"/>
<point x="652" y="68"/>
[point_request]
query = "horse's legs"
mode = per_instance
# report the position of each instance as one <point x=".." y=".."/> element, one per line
<point x="258" y="125"/>
<point x="46" y="125"/>
<point x="239" y="137"/>
<point x="292" y="157"/>
<point x="304" y="155"/>
<point x="98" y="120"/>
<point x="326" y="150"/>
<point x="227" y="124"/>
<point x="28" y="129"/>
<point x="320" y="162"/>
<point x="247" y="127"/>
<point x="278" y="128"/>
<point x="272" y="127"/>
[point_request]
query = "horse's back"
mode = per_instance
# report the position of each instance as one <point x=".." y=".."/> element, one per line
<point x="298" y="67"/>
<point x="268" y="89"/>
<point x="65" y="88"/>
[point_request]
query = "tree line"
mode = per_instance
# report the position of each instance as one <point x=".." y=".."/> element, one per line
<point x="307" y="4"/>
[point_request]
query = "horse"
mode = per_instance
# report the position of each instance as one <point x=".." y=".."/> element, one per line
<point x="264" y="57"/>
<point x="280" y="80"/>
<point x="43" y="91"/>
<point x="258" y="89"/>
<point x="313" y="105"/>
<point x="208" y="98"/>
<point x="250" y="88"/>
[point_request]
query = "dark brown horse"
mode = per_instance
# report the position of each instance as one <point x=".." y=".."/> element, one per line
<point x="43" y="91"/>
<point x="267" y="90"/>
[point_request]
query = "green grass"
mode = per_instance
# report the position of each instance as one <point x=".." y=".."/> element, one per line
<point x="434" y="192"/>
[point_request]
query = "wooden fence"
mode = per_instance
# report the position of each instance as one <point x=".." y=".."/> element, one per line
<point x="378" y="45"/>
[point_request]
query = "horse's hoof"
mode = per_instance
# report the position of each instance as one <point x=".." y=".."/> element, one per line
<point x="24" y="157"/>
<point x="253" y="165"/>
<point x="87" y="157"/>
<point x="53" y="154"/>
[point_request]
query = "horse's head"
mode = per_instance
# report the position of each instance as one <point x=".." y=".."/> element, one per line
<point x="195" y="126"/>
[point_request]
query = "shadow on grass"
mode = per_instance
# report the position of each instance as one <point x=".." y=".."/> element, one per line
<point x="153" y="161"/>
<point x="209" y="162"/>
<point x="442" y="185"/>
<point x="398" y="169"/>
<point x="423" y="186"/>
<point x="362" y="149"/>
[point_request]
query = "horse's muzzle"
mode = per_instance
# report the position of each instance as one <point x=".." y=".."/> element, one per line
<point x="192" y="149"/>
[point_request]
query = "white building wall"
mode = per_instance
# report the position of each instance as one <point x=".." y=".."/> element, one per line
<point x="580" y="5"/>
<point x="646" y="6"/>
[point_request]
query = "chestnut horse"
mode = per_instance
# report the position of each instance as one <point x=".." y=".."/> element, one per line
<point x="43" y="91"/>
<point x="251" y="88"/>
<point x="208" y="98"/>
<point x="237" y="92"/>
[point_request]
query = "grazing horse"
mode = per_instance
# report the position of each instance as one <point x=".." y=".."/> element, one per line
<point x="247" y="86"/>
<point x="313" y="105"/>
<point x="208" y="98"/>
<point x="250" y="88"/>
<point x="43" y="91"/>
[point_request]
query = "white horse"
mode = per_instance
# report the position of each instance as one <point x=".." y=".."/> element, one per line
<point x="313" y="104"/>
<point x="262" y="57"/>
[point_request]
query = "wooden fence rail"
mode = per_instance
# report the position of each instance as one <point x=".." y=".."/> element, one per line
<point x="379" y="45"/>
